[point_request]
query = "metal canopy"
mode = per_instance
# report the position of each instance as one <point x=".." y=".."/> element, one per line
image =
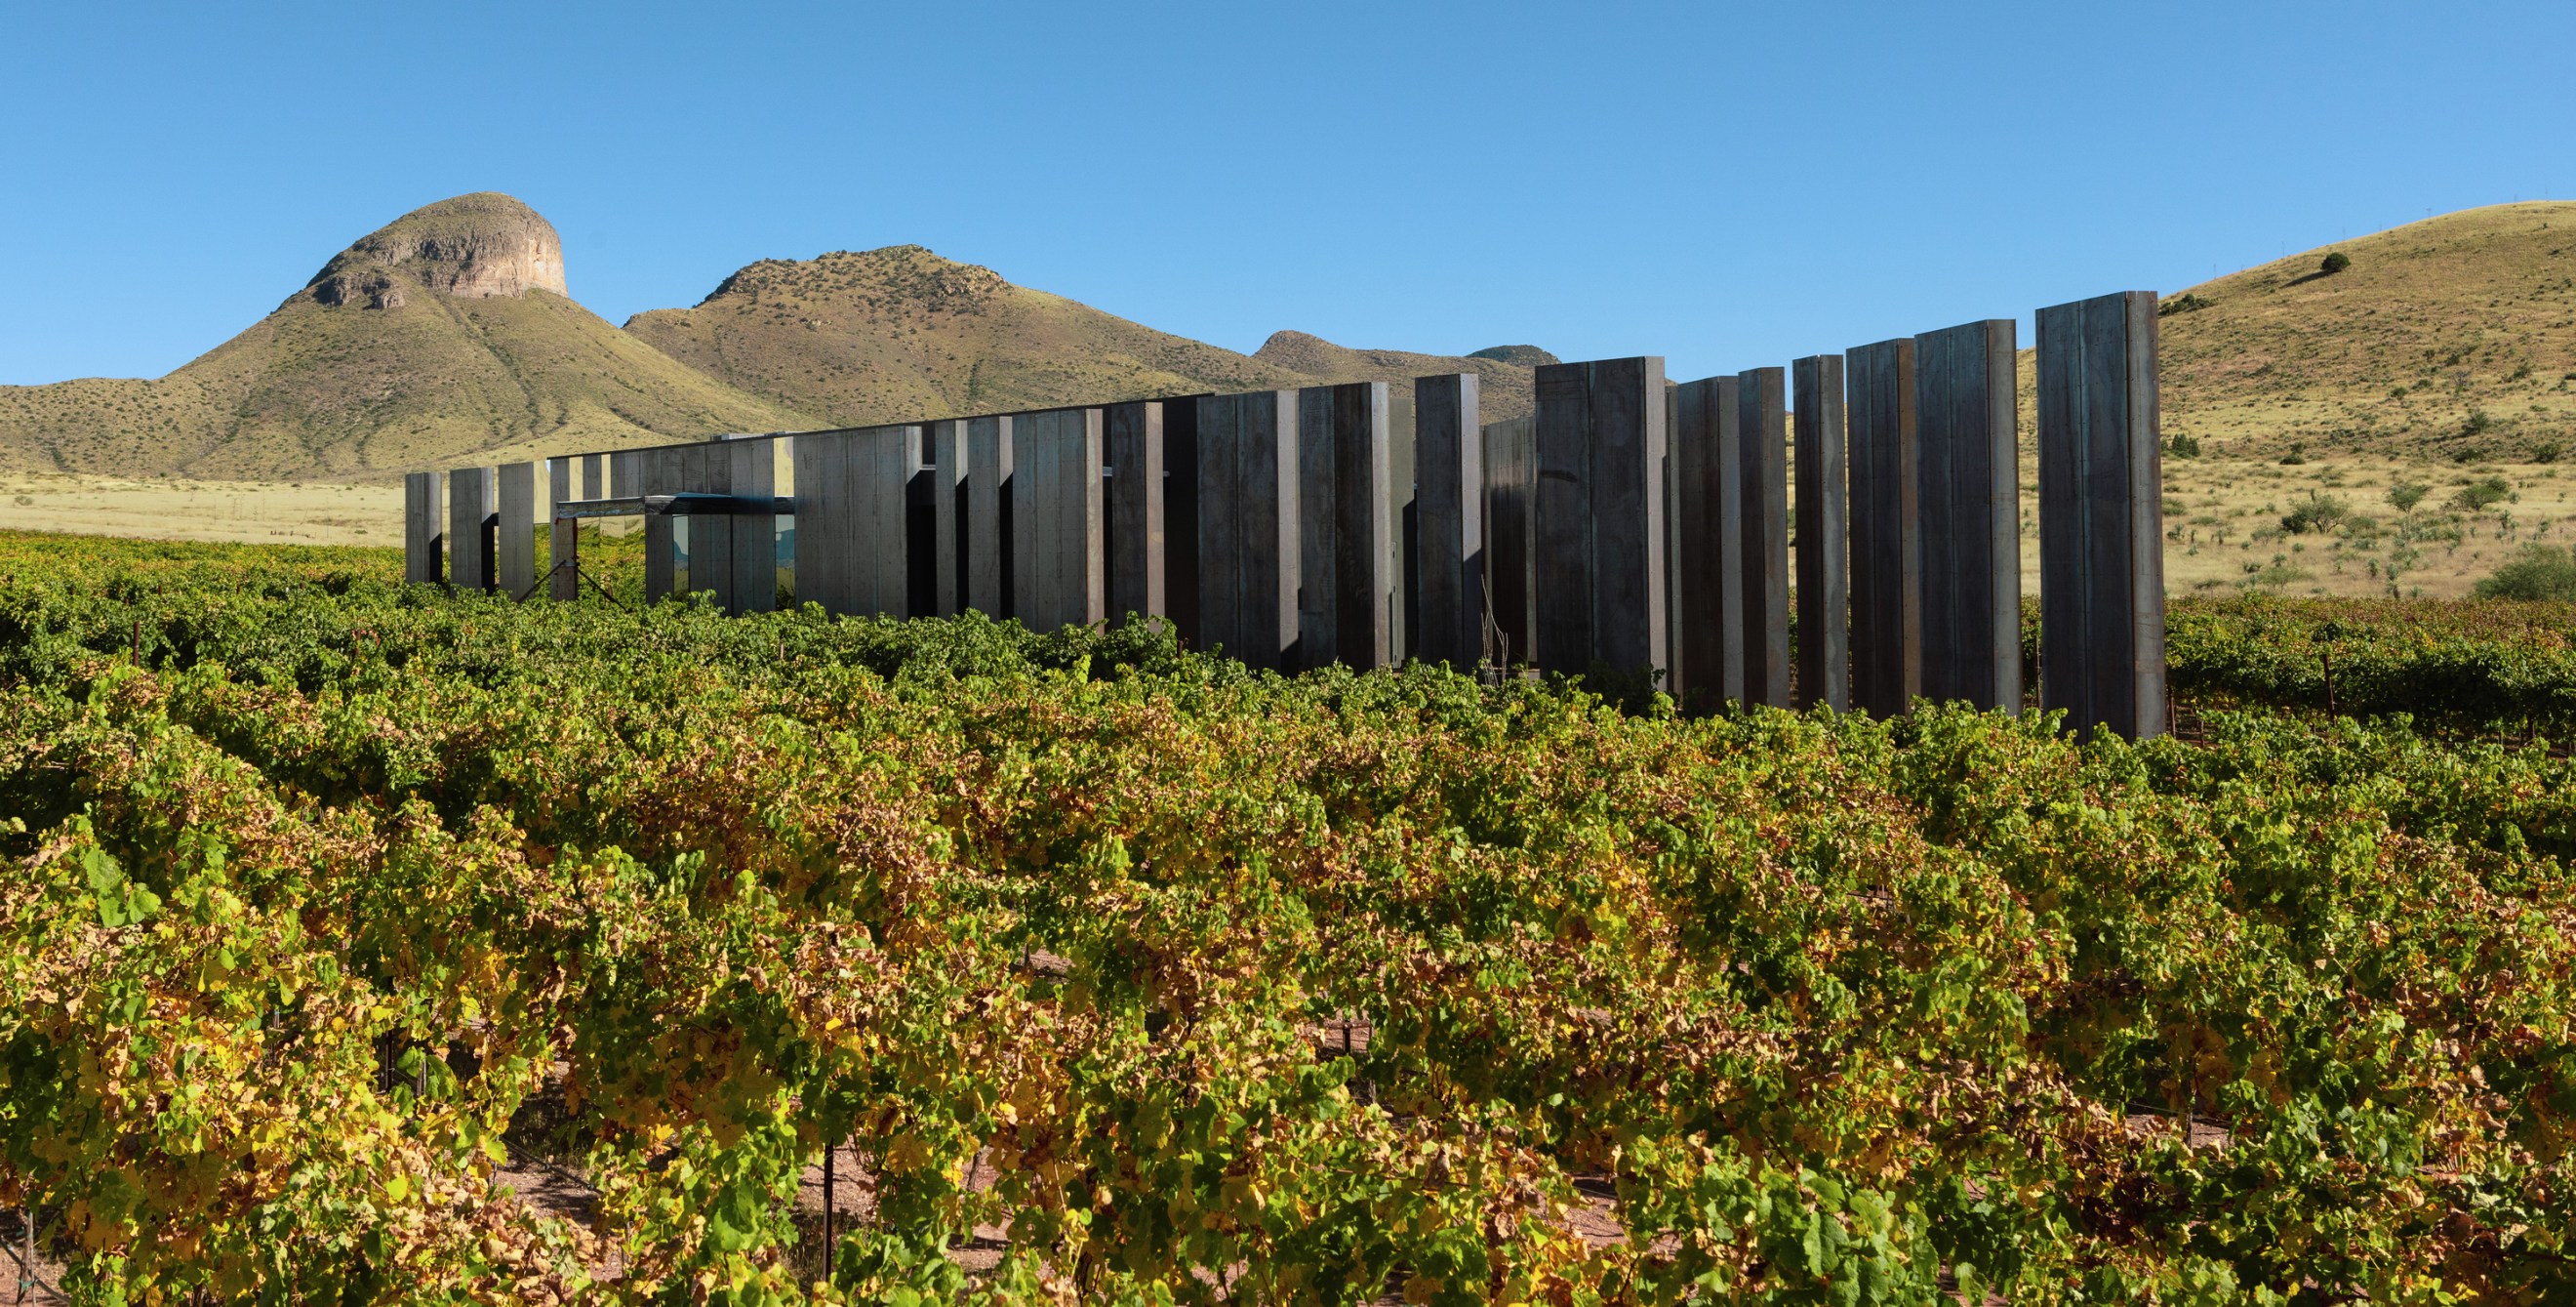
<point x="679" y="505"/>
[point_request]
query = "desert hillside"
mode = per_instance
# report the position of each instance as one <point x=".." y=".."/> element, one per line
<point x="445" y="335"/>
<point x="2452" y="338"/>
<point x="2403" y="424"/>
<point x="898" y="333"/>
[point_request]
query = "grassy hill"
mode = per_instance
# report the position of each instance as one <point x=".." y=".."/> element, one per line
<point x="896" y="333"/>
<point x="2452" y="338"/>
<point x="443" y="336"/>
<point x="2400" y="426"/>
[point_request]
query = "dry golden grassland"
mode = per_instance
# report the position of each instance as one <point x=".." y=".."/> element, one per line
<point x="174" y="508"/>
<point x="2451" y="339"/>
<point x="2235" y="524"/>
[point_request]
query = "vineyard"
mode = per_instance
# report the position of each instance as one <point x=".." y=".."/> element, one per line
<point x="340" y="914"/>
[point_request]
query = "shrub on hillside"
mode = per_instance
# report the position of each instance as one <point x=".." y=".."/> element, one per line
<point x="2334" y="263"/>
<point x="2540" y="572"/>
<point x="2405" y="495"/>
<point x="2479" y="496"/>
<point x="2320" y="512"/>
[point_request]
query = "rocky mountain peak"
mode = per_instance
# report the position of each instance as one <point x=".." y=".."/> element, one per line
<point x="478" y="246"/>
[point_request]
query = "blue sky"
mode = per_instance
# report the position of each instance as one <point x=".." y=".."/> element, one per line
<point x="1727" y="186"/>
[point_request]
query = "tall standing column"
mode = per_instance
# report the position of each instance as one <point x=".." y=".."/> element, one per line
<point x="2101" y="516"/>
<point x="1561" y="617"/>
<point x="705" y="541"/>
<point x="1886" y="543"/>
<point x="1708" y="543"/>
<point x="1449" y="520"/>
<point x="990" y="463"/>
<point x="1762" y="415"/>
<point x="1824" y="537"/>
<point x="952" y="452"/>
<point x="663" y="471"/>
<point x="1372" y="494"/>
<point x="422" y="540"/>
<point x="1403" y="525"/>
<point x="1133" y="436"/>
<point x="515" y="536"/>
<point x="921" y="528"/>
<point x="469" y="528"/>
<point x="1346" y="558"/>
<point x="1511" y="523"/>
<point x="563" y="534"/>
<point x="1318" y="639"/>
<point x="823" y="528"/>
<point x="852" y="489"/>
<point x="907" y="572"/>
<point x="1181" y="516"/>
<point x="1600" y="527"/>
<point x="883" y="462"/>
<point x="1033" y="476"/>
<point x="1670" y="587"/>
<point x="752" y="474"/>
<point x="1247" y="502"/>
<point x="1968" y="505"/>
<point x="948" y="457"/>
<point x="1057" y="517"/>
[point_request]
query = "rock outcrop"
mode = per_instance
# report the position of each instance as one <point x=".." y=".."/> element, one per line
<point x="482" y="246"/>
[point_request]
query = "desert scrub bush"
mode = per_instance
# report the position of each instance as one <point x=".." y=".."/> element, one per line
<point x="2318" y="512"/>
<point x="2479" y="496"/>
<point x="2538" y="573"/>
